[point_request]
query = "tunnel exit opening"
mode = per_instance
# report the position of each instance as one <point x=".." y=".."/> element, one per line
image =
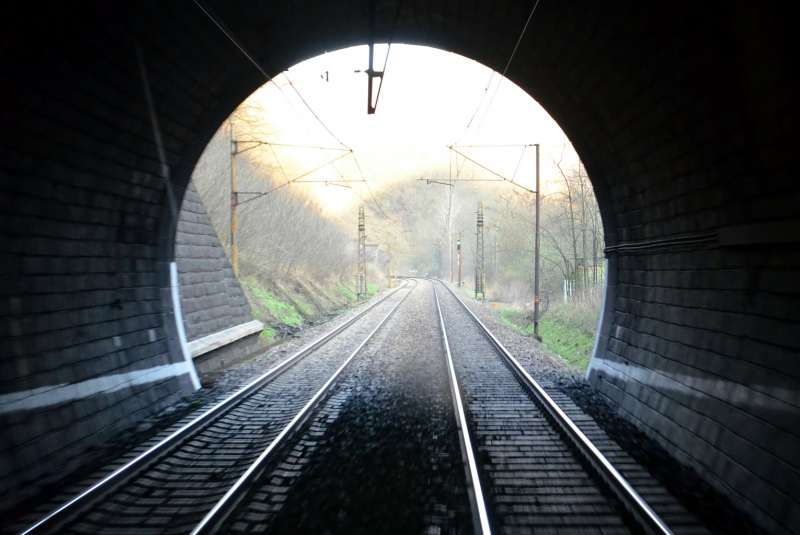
<point x="684" y="126"/>
<point x="274" y="166"/>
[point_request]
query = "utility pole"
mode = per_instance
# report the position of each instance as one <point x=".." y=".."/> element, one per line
<point x="458" y="255"/>
<point x="389" y="257"/>
<point x="234" y="202"/>
<point x="537" y="298"/>
<point x="480" y="264"/>
<point x="439" y="247"/>
<point x="361" y="276"/>
<point x="452" y="248"/>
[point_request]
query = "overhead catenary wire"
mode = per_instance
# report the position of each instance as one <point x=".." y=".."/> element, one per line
<point x="505" y="70"/>
<point x="314" y="113"/>
<point x="229" y="34"/>
<point x="279" y="164"/>
<point x="259" y="194"/>
<point x="478" y="107"/>
<point x="388" y="49"/>
<point x="508" y="63"/>
<point x="383" y="72"/>
<point x="370" y="189"/>
<point x="489" y="170"/>
<point x="162" y="156"/>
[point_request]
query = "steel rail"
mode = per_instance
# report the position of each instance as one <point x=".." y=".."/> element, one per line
<point x="222" y="509"/>
<point x="461" y="422"/>
<point x="74" y="506"/>
<point x="650" y="522"/>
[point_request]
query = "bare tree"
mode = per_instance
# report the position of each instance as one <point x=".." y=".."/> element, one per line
<point x="280" y="232"/>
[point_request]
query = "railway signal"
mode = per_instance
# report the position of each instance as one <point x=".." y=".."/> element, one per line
<point x="452" y="250"/>
<point x="458" y="255"/>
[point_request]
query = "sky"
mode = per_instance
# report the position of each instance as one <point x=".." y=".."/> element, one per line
<point x="430" y="100"/>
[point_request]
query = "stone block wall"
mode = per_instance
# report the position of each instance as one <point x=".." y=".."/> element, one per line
<point x="212" y="299"/>
<point x="685" y="114"/>
<point x="694" y="350"/>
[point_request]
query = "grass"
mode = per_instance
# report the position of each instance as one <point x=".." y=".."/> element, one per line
<point x="267" y="302"/>
<point x="371" y="290"/>
<point x="345" y="291"/>
<point x="568" y="330"/>
<point x="572" y="343"/>
<point x="513" y="317"/>
<point x="268" y="334"/>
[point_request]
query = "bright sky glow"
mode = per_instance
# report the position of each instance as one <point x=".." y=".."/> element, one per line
<point x="426" y="102"/>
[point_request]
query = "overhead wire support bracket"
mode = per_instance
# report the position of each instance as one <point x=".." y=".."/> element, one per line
<point x="451" y="147"/>
<point x="371" y="72"/>
<point x="332" y="182"/>
<point x="293" y="181"/>
<point x="429" y="181"/>
<point x="492" y="146"/>
<point x="371" y="75"/>
<point x="259" y="143"/>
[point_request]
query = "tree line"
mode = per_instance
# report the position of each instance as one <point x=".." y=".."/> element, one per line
<point x="281" y="232"/>
<point x="285" y="231"/>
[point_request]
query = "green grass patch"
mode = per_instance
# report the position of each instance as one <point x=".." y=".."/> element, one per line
<point x="371" y="290"/>
<point x="572" y="343"/>
<point x="566" y="329"/>
<point x="512" y="317"/>
<point x="345" y="291"/>
<point x="267" y="335"/>
<point x="283" y="312"/>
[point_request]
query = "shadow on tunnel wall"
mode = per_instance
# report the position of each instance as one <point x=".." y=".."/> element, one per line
<point x="684" y="113"/>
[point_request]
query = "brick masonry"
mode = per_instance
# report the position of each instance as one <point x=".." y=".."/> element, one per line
<point x="684" y="113"/>
<point x="211" y="298"/>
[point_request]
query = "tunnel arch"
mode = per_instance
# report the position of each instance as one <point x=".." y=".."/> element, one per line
<point x="683" y="114"/>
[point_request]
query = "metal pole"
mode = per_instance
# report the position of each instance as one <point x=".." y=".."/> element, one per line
<point x="458" y="253"/>
<point x="361" y="276"/>
<point x="480" y="263"/>
<point x="537" y="298"/>
<point x="234" y="199"/>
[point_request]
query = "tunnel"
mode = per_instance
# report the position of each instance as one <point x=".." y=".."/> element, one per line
<point x="684" y="114"/>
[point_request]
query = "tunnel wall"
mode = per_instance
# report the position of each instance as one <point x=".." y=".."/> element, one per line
<point x="723" y="401"/>
<point x="684" y="114"/>
<point x="213" y="304"/>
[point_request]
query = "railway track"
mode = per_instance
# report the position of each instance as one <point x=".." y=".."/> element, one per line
<point x="411" y="422"/>
<point x="176" y="485"/>
<point x="536" y="469"/>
